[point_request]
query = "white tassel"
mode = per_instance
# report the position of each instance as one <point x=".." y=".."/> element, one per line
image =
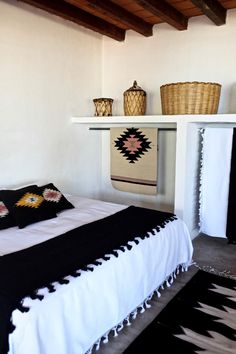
<point x="142" y="309"/>
<point x="97" y="344"/>
<point x="134" y="314"/>
<point x="115" y="332"/>
<point x="105" y="340"/>
<point x="158" y="293"/>
<point x="147" y="305"/>
<point x="120" y="327"/>
<point x="128" y="322"/>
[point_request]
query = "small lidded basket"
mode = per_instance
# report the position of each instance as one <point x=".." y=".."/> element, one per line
<point x="134" y="101"/>
<point x="103" y="106"/>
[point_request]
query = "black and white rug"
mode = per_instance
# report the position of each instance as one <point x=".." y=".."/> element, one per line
<point x="201" y="318"/>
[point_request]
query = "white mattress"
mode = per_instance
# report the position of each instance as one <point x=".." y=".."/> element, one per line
<point x="72" y="319"/>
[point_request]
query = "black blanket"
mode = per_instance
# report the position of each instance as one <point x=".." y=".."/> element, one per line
<point x="22" y="273"/>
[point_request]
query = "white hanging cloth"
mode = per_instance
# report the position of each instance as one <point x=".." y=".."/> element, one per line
<point x="214" y="180"/>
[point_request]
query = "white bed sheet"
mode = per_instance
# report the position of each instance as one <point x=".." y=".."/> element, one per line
<point x="85" y="211"/>
<point x="72" y="319"/>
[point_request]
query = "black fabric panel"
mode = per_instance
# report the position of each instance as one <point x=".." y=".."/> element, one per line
<point x="231" y="213"/>
<point x="23" y="272"/>
<point x="182" y="312"/>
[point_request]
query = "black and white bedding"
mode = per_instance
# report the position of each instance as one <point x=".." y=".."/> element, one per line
<point x="115" y="279"/>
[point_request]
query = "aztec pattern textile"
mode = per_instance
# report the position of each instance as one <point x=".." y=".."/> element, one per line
<point x="218" y="183"/>
<point x="134" y="159"/>
<point x="201" y="318"/>
<point x="24" y="273"/>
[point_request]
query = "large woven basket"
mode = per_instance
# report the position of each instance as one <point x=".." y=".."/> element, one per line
<point x="190" y="98"/>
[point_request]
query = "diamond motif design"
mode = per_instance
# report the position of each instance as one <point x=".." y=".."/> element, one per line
<point x="3" y="210"/>
<point x="135" y="103"/>
<point x="50" y="195"/>
<point x="30" y="200"/>
<point x="132" y="144"/>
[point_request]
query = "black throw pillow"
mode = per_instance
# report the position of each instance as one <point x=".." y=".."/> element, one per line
<point x="6" y="219"/>
<point x="54" y="198"/>
<point x="26" y="205"/>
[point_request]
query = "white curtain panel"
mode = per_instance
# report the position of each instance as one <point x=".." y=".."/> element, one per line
<point x="214" y="180"/>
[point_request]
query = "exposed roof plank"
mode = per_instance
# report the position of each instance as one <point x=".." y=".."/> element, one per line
<point x="118" y="13"/>
<point x="166" y="12"/>
<point x="113" y="18"/>
<point x="212" y="9"/>
<point x="74" y="14"/>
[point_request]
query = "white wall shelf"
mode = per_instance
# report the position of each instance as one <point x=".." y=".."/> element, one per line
<point x="187" y="151"/>
<point x="156" y="119"/>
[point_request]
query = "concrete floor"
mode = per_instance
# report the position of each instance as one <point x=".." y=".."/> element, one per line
<point x="211" y="254"/>
<point x="215" y="254"/>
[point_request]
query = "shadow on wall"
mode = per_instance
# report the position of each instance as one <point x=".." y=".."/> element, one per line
<point x="232" y="99"/>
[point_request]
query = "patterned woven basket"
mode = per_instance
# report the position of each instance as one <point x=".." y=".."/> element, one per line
<point x="190" y="98"/>
<point x="103" y="106"/>
<point x="134" y="101"/>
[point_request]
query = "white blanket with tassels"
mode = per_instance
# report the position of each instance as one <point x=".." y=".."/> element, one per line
<point x="74" y="317"/>
<point x="214" y="180"/>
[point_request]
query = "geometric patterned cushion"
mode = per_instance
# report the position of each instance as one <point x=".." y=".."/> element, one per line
<point x="54" y="198"/>
<point x="6" y="219"/>
<point x="26" y="205"/>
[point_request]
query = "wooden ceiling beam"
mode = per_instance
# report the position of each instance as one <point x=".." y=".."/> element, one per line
<point x="165" y="11"/>
<point x="119" y="14"/>
<point x="212" y="9"/>
<point x="83" y="18"/>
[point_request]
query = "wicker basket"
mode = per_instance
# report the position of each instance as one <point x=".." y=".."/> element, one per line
<point x="134" y="101"/>
<point x="103" y="106"/>
<point x="190" y="98"/>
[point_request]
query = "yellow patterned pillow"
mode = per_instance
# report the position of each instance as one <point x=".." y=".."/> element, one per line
<point x="26" y="205"/>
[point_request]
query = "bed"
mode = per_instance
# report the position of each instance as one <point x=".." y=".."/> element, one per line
<point x="106" y="294"/>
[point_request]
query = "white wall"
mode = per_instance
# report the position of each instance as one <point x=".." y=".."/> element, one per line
<point x="50" y="69"/>
<point x="204" y="52"/>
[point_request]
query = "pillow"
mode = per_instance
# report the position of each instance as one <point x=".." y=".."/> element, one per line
<point x="6" y="218"/>
<point x="26" y="205"/>
<point x="54" y="198"/>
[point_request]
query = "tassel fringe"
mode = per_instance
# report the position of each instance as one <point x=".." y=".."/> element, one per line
<point x="202" y="131"/>
<point x="140" y="309"/>
<point x="39" y="294"/>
